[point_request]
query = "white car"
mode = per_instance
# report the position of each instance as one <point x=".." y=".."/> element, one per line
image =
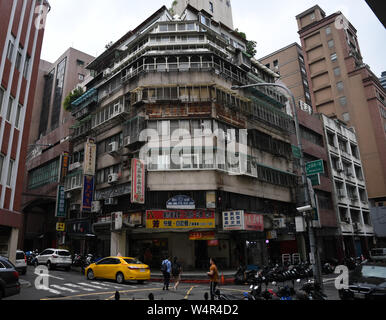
<point x="21" y="262"/>
<point x="55" y="258"/>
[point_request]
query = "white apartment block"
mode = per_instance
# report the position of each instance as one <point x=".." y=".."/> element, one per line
<point x="349" y="181"/>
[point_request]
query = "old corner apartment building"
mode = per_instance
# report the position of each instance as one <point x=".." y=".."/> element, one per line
<point x="171" y="73"/>
<point x="21" y="36"/>
<point x="342" y="86"/>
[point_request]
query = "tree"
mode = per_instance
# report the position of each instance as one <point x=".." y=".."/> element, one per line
<point x="72" y="96"/>
<point x="251" y="45"/>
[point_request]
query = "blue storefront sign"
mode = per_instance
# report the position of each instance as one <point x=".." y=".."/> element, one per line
<point x="181" y="202"/>
<point x="88" y="191"/>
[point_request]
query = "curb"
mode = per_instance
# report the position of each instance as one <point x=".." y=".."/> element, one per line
<point x="194" y="281"/>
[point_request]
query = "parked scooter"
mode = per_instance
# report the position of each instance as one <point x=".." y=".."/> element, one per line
<point x="311" y="291"/>
<point x="243" y="276"/>
<point x="89" y="260"/>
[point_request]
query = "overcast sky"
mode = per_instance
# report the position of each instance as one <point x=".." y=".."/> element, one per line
<point x="88" y="25"/>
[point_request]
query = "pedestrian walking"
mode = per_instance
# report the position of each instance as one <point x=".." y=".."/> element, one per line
<point x="176" y="272"/>
<point x="213" y="275"/>
<point x="166" y="269"/>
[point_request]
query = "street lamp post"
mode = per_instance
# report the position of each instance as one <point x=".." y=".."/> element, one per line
<point x="311" y="234"/>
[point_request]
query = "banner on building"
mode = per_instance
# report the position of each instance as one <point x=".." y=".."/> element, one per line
<point x="137" y="181"/>
<point x="211" y="199"/>
<point x="202" y="235"/>
<point x="89" y="158"/>
<point x="254" y="222"/>
<point x="88" y="190"/>
<point x="60" y="203"/>
<point x="181" y="202"/>
<point x="180" y="219"/>
<point x="64" y="165"/>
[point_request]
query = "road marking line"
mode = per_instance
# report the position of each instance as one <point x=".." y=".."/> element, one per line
<point x="99" y="294"/>
<point x="79" y="287"/>
<point x="63" y="288"/>
<point x="188" y="293"/>
<point x="48" y="275"/>
<point x="49" y="290"/>
<point x="90" y="285"/>
<point x="107" y="285"/>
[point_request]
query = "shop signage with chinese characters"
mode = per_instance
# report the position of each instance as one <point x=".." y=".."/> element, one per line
<point x="181" y="202"/>
<point x="60" y="203"/>
<point x="89" y="157"/>
<point x="64" y="163"/>
<point x="88" y="190"/>
<point x="60" y="227"/>
<point x="138" y="181"/>
<point x="233" y="220"/>
<point x="180" y="219"/>
<point x="199" y="235"/>
<point x="254" y="222"/>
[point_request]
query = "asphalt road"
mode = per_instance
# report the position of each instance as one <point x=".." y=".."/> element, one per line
<point x="72" y="285"/>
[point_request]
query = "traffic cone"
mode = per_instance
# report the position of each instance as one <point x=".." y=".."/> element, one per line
<point x="222" y="278"/>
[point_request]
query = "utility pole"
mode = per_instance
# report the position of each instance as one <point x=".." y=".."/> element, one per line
<point x="314" y="253"/>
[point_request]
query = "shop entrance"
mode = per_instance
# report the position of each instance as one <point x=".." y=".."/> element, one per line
<point x="201" y="254"/>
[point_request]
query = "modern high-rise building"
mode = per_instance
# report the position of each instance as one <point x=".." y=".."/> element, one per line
<point x="49" y="140"/>
<point x="342" y="86"/>
<point x="172" y="76"/>
<point x="220" y="10"/>
<point x="21" y="37"/>
<point x="382" y="79"/>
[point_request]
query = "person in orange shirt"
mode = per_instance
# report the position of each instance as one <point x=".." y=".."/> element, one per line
<point x="214" y="279"/>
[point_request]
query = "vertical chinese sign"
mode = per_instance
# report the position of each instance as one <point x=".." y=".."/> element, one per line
<point x="89" y="158"/>
<point x="89" y="173"/>
<point x="64" y="163"/>
<point x="88" y="190"/>
<point x="137" y="181"/>
<point x="60" y="203"/>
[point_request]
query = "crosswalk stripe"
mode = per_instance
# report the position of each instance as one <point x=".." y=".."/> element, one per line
<point x="49" y="290"/>
<point x="108" y="285"/>
<point x="91" y="286"/>
<point x="78" y="287"/>
<point x="63" y="288"/>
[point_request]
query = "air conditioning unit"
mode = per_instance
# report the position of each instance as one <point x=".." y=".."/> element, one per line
<point x="339" y="166"/>
<point x="113" y="178"/>
<point x="279" y="223"/>
<point x="341" y="193"/>
<point x="346" y="220"/>
<point x="127" y="141"/>
<point x="74" y="166"/>
<point x="75" y="207"/>
<point x="113" y="147"/>
<point x="95" y="206"/>
<point x="106" y="72"/>
<point x="111" y="202"/>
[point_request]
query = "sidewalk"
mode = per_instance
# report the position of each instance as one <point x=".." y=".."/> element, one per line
<point x="196" y="276"/>
<point x="201" y="277"/>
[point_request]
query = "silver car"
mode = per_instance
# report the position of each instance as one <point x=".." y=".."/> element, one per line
<point x="21" y="262"/>
<point x="53" y="258"/>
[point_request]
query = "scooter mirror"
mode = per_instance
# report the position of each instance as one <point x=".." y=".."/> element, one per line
<point x="256" y="287"/>
<point x="274" y="283"/>
<point x="298" y="281"/>
<point x="251" y="287"/>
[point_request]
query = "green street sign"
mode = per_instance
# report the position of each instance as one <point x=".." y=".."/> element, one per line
<point x="314" y="167"/>
<point x="296" y="152"/>
<point x="315" y="179"/>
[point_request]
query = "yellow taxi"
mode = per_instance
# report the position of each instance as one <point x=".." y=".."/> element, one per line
<point x="119" y="269"/>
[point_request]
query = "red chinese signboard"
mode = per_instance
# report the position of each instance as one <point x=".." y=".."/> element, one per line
<point x="137" y="181"/>
<point x="253" y="222"/>
<point x="210" y="235"/>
